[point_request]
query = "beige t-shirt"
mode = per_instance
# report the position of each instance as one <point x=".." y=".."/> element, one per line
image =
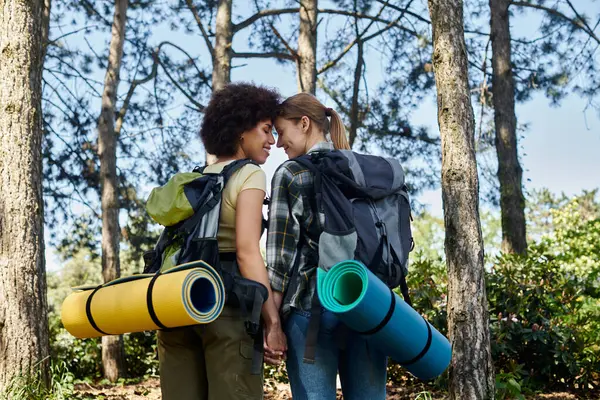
<point x="250" y="176"/>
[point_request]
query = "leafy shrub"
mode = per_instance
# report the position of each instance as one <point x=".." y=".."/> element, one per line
<point x="141" y="354"/>
<point x="32" y="387"/>
<point x="544" y="307"/>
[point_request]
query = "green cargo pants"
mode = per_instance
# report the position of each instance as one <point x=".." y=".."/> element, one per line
<point x="209" y="362"/>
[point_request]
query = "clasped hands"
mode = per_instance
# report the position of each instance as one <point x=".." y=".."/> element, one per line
<point x="275" y="344"/>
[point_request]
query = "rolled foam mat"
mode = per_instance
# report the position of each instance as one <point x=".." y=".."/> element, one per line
<point x="188" y="294"/>
<point x="366" y="305"/>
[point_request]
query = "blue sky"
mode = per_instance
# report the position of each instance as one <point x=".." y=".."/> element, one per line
<point x="558" y="150"/>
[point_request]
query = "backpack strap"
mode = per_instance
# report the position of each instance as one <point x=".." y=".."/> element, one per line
<point x="252" y="295"/>
<point x="402" y="278"/>
<point x="233" y="167"/>
<point x="226" y="173"/>
<point x="314" y="322"/>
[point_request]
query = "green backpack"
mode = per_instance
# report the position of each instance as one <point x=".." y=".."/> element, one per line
<point x="189" y="208"/>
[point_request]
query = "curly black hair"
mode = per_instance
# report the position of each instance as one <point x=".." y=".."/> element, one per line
<point x="232" y="110"/>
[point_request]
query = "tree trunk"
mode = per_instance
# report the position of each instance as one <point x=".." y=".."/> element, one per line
<point x="307" y="47"/>
<point x="354" y="109"/>
<point x="510" y="173"/>
<point x="112" y="346"/>
<point x="222" y="52"/>
<point x="471" y="369"/>
<point x="23" y="303"/>
<point x="45" y="25"/>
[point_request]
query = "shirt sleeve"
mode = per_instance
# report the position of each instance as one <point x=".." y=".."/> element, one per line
<point x="252" y="177"/>
<point x="283" y="235"/>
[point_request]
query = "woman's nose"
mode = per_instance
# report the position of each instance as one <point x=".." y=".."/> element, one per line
<point x="271" y="138"/>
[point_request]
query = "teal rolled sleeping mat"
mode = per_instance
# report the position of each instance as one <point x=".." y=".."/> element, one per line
<point x="366" y="305"/>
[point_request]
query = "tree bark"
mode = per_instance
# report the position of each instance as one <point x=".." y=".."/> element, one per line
<point x="510" y="173"/>
<point x="354" y="109"/>
<point x="307" y="47"/>
<point x="112" y="346"/>
<point x="471" y="369"/>
<point x="223" y="52"/>
<point x="23" y="303"/>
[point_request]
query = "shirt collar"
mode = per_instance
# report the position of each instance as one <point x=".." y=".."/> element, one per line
<point x="321" y="146"/>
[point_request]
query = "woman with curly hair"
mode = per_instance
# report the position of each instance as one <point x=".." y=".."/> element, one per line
<point x="213" y="361"/>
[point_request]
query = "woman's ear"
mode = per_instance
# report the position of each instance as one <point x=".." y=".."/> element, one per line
<point x="305" y="124"/>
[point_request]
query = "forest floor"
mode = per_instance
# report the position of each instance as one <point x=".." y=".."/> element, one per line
<point x="150" y="390"/>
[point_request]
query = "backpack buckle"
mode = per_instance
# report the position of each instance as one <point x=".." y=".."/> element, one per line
<point x="381" y="226"/>
<point x="252" y="328"/>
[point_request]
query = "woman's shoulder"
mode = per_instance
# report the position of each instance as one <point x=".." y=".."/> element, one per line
<point x="290" y="168"/>
<point x="252" y="168"/>
<point x="251" y="176"/>
<point x="249" y="170"/>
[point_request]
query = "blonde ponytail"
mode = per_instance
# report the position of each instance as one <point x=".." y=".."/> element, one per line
<point x="305" y="104"/>
<point x="337" y="131"/>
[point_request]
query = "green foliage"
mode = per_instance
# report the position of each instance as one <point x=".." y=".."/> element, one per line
<point x="141" y="354"/>
<point x="509" y="385"/>
<point x="428" y="234"/>
<point x="32" y="386"/>
<point x="428" y="283"/>
<point x="544" y="307"/>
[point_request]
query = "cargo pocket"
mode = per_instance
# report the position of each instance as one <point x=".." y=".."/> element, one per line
<point x="248" y="386"/>
<point x="246" y="350"/>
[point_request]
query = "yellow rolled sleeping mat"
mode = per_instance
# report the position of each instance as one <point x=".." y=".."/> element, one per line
<point x="188" y="294"/>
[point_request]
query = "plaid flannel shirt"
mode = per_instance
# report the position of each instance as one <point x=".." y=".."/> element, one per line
<point x="290" y="215"/>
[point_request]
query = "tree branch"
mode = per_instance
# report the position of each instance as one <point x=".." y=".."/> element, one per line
<point x="589" y="30"/>
<point x="194" y="11"/>
<point x="198" y="106"/>
<point x="580" y="24"/>
<point x="334" y="96"/>
<point x="152" y="75"/>
<point x="360" y="38"/>
<point x="285" y="43"/>
<point x="407" y="133"/>
<point x="406" y="10"/>
<point x="266" y="13"/>
<point x="349" y="46"/>
<point x="134" y="84"/>
<point x="281" y="56"/>
<point x="261" y="14"/>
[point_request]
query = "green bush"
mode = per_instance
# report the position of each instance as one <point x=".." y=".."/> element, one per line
<point x="534" y="309"/>
<point x="140" y="354"/>
<point x="32" y="387"/>
<point x="544" y="307"/>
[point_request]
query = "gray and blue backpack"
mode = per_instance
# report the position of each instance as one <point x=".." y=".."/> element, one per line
<point x="365" y="206"/>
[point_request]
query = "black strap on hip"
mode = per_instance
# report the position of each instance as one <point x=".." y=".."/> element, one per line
<point x="88" y="310"/>
<point x="312" y="333"/>
<point x="257" y="352"/>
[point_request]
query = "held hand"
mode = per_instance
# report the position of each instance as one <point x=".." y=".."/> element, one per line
<point x="275" y="345"/>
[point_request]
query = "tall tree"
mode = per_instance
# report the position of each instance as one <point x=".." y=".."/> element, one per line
<point x="222" y="50"/>
<point x="112" y="346"/>
<point x="510" y="173"/>
<point x="563" y="47"/>
<point x="471" y="370"/>
<point x="23" y="303"/>
<point x="307" y="47"/>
